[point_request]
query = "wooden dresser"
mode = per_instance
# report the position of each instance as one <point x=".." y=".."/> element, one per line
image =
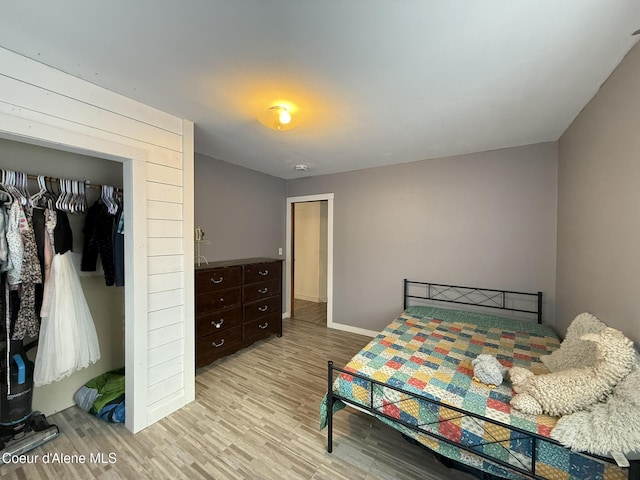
<point x="237" y="303"/>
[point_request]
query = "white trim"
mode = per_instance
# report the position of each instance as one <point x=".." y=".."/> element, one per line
<point x="189" y="370"/>
<point x="135" y="337"/>
<point x="310" y="298"/>
<point x="349" y="328"/>
<point x="287" y="261"/>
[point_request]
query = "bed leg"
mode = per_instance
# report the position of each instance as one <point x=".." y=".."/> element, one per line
<point x="540" y="307"/>
<point x="330" y="407"/>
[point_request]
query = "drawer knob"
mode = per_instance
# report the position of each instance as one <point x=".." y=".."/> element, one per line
<point x="264" y="309"/>
<point x="263" y="290"/>
<point x="263" y="272"/>
<point x="217" y="324"/>
<point x="213" y="280"/>
<point x="264" y="325"/>
<point x="218" y="344"/>
<point x="221" y="299"/>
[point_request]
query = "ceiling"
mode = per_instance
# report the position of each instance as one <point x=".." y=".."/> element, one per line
<point x="374" y="82"/>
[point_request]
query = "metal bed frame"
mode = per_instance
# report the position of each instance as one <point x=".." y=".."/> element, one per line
<point x="477" y="297"/>
<point x="493" y="299"/>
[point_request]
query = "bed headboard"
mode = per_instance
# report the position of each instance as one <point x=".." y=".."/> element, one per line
<point x="478" y="297"/>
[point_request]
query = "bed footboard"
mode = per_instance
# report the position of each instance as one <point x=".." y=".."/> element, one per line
<point x="524" y="447"/>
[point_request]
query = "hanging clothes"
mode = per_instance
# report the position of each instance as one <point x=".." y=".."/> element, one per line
<point x="27" y="323"/>
<point x="4" y="249"/>
<point x="15" y="245"/>
<point x="98" y="240"/>
<point x="62" y="233"/>
<point x="118" y="249"/>
<point x="47" y="240"/>
<point x="68" y="340"/>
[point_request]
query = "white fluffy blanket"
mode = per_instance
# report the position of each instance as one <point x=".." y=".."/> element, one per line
<point x="613" y="425"/>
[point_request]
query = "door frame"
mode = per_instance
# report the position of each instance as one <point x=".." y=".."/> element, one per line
<point x="288" y="262"/>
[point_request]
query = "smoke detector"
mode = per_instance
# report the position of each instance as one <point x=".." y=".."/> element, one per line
<point x="301" y="167"/>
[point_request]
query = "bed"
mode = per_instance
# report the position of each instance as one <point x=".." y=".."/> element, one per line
<point x="416" y="376"/>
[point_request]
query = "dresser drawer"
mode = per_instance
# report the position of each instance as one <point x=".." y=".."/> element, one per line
<point x="210" y="301"/>
<point x="218" y="345"/>
<point x="218" y="278"/>
<point x="259" y="272"/>
<point x="262" y="327"/>
<point x="256" y="291"/>
<point x="218" y="321"/>
<point x="260" y="308"/>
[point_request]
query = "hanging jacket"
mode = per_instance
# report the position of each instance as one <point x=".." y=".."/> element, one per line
<point x="98" y="240"/>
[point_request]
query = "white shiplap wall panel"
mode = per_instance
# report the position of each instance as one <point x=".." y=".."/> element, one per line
<point x="168" y="158"/>
<point x="162" y="336"/>
<point x="169" y="263"/>
<point x="84" y="139"/>
<point x="39" y="99"/>
<point x="49" y="130"/>
<point x="165" y="388"/>
<point x="41" y="105"/>
<point x="164" y="282"/>
<point x="167" y="369"/>
<point x="164" y="246"/>
<point x="162" y="407"/>
<point x="167" y="299"/>
<point x="164" y="317"/>
<point x="170" y="351"/>
<point x="165" y="193"/>
<point x="163" y="174"/>
<point x="164" y="228"/>
<point x="164" y="210"/>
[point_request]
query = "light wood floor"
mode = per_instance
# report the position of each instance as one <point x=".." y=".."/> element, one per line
<point x="312" y="312"/>
<point x="255" y="417"/>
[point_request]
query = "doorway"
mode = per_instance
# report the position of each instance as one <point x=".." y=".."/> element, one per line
<point x="311" y="282"/>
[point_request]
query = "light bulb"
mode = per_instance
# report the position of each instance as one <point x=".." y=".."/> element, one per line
<point x="284" y="117"/>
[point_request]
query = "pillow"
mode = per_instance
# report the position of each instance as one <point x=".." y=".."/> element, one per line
<point x="573" y="352"/>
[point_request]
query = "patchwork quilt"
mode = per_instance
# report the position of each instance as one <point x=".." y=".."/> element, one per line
<point x="427" y="352"/>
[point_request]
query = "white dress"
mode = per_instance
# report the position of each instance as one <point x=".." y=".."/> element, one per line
<point x="68" y="341"/>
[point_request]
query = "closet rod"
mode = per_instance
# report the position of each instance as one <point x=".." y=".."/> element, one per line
<point x="87" y="183"/>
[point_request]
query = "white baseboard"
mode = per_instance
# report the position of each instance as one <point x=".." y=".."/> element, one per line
<point x="310" y="298"/>
<point x="351" y="329"/>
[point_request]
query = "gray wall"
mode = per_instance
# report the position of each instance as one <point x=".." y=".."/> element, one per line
<point x="599" y="206"/>
<point x="241" y="211"/>
<point x="486" y="219"/>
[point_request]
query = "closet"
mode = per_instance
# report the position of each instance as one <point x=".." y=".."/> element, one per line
<point x="106" y="303"/>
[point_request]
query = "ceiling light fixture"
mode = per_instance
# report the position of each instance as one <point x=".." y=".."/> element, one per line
<point x="278" y="117"/>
